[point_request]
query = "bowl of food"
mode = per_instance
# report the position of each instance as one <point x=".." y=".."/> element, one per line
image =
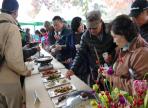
<point x="44" y="60"/>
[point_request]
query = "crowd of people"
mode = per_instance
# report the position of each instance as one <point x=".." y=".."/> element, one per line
<point x="84" y="50"/>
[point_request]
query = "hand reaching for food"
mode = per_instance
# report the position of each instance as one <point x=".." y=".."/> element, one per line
<point x="69" y="73"/>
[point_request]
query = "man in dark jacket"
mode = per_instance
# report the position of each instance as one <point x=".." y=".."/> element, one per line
<point x="73" y="40"/>
<point x="139" y="14"/>
<point x="59" y="38"/>
<point x="94" y="44"/>
<point x="60" y="31"/>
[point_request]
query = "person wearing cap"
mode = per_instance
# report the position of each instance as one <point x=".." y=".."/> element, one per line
<point x="11" y="51"/>
<point x="94" y="43"/>
<point x="132" y="58"/>
<point x="139" y="14"/>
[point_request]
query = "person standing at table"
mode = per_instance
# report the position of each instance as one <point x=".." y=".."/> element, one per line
<point x="12" y="64"/>
<point x="132" y="59"/>
<point x="73" y="40"/>
<point x="60" y="35"/>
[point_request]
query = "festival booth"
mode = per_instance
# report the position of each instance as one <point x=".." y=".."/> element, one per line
<point x="47" y="87"/>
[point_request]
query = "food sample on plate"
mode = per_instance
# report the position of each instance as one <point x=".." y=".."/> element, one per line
<point x="50" y="84"/>
<point x="48" y="72"/>
<point x="60" y="90"/>
<point x="57" y="82"/>
<point x="63" y="89"/>
<point x="61" y="98"/>
<point x="62" y="81"/>
<point x="53" y="76"/>
<point x="60" y="101"/>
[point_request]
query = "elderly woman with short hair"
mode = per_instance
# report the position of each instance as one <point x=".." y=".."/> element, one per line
<point x="132" y="59"/>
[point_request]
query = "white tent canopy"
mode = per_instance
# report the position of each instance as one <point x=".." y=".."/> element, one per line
<point x="41" y="10"/>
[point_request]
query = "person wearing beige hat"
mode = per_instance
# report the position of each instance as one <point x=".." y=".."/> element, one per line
<point x="12" y="64"/>
<point x="94" y="43"/>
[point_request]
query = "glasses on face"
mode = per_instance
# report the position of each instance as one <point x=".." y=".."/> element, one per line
<point x="92" y="28"/>
<point x="99" y="26"/>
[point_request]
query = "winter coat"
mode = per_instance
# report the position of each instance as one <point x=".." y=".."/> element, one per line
<point x="135" y="58"/>
<point x="87" y="55"/>
<point x="13" y="65"/>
